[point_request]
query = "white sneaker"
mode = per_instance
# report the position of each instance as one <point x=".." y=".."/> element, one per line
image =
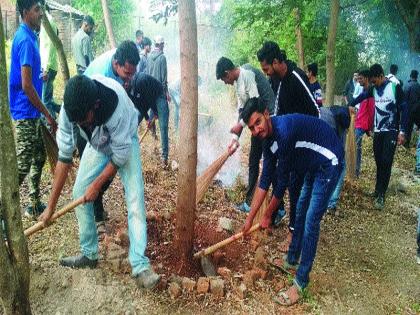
<point x="418" y="260"/>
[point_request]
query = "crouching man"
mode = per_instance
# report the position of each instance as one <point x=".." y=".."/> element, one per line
<point x="308" y="146"/>
<point x="107" y="119"/>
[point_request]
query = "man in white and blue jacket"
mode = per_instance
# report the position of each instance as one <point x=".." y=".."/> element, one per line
<point x="101" y="110"/>
<point x="390" y="121"/>
<point x="309" y="147"/>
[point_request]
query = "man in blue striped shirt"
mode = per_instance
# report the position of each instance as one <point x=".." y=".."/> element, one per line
<point x="310" y="147"/>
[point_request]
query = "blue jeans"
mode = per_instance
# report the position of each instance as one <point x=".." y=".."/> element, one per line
<point x="358" y="133"/>
<point x="92" y="164"/>
<point x="48" y="94"/>
<point x="176" y="99"/>
<point x="418" y="155"/>
<point x="311" y="206"/>
<point x="163" y="113"/>
<point x="336" y="193"/>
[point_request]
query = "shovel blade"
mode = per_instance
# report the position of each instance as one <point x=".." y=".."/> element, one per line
<point x="207" y="266"/>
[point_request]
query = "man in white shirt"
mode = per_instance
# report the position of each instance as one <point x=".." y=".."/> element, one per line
<point x="392" y="76"/>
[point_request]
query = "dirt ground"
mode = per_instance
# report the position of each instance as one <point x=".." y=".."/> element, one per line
<point x="365" y="262"/>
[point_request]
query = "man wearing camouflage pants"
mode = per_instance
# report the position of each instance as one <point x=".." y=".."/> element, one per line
<point x="25" y="87"/>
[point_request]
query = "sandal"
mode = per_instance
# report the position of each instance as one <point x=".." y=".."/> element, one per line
<point x="283" y="298"/>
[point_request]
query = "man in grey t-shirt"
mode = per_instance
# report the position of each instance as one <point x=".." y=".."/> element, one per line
<point x="82" y="46"/>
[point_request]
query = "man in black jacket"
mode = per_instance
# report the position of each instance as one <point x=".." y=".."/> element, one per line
<point x="292" y="96"/>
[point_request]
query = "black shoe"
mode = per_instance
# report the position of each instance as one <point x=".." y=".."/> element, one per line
<point x="80" y="261"/>
<point x="380" y="203"/>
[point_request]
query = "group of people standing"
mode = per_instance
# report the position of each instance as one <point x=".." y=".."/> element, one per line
<point x="302" y="142"/>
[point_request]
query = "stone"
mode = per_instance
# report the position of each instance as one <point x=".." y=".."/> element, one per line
<point x="217" y="287"/>
<point x="250" y="277"/>
<point x="174" y="165"/>
<point x="188" y="285"/>
<point x="260" y="259"/>
<point x="174" y="290"/>
<point x="153" y="216"/>
<point x="224" y="272"/>
<point x="163" y="284"/>
<point x="203" y="285"/>
<point x="176" y="279"/>
<point x="241" y="291"/>
<point x="166" y="215"/>
<point x="225" y="224"/>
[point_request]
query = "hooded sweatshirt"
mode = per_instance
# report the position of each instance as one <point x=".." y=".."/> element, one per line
<point x="114" y="129"/>
<point x="157" y="67"/>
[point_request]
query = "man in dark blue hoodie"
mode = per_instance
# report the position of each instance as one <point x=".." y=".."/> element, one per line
<point x="308" y="146"/>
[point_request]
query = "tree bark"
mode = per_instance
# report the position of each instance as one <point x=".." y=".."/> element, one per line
<point x="59" y="46"/>
<point x="14" y="256"/>
<point x="410" y="15"/>
<point x="299" y="39"/>
<point x="185" y="208"/>
<point x="108" y="24"/>
<point x="331" y="41"/>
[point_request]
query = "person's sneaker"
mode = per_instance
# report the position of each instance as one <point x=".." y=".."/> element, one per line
<point x="80" y="261"/>
<point x="331" y="210"/>
<point x="280" y="217"/>
<point x="147" y="279"/>
<point x="243" y="207"/>
<point x="379" y="203"/>
<point x="418" y="259"/>
<point x="32" y="212"/>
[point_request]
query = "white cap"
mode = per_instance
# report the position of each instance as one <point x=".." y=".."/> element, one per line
<point x="159" y="40"/>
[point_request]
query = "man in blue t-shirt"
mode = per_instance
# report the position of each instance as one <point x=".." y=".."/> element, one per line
<point x="25" y="88"/>
<point x="308" y="146"/>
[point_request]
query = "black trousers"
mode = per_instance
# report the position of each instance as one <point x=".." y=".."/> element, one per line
<point x="384" y="144"/>
<point x="255" y="155"/>
<point x="98" y="207"/>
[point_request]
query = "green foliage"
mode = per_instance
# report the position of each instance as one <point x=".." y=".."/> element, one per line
<point x="368" y="31"/>
<point x="120" y="11"/>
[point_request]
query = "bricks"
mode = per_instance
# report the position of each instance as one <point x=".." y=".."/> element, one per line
<point x="188" y="285"/>
<point x="217" y="287"/>
<point x="174" y="290"/>
<point x="203" y="285"/>
<point x="224" y="272"/>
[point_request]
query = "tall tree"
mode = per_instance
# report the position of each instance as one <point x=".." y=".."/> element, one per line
<point x="14" y="256"/>
<point x="330" y="62"/>
<point x="108" y="24"/>
<point x="59" y="46"/>
<point x="186" y="198"/>
<point x="299" y="39"/>
<point x="409" y="10"/>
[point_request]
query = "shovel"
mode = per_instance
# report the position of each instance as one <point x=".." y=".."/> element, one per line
<point x="40" y="225"/>
<point x="206" y="264"/>
<point x="146" y="131"/>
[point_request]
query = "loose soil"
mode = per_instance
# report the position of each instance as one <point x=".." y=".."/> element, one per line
<point x="365" y="261"/>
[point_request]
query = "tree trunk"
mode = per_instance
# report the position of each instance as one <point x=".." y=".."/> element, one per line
<point x="14" y="256"/>
<point x="59" y="46"/>
<point x="299" y="39"/>
<point x="330" y="64"/>
<point x="185" y="207"/>
<point x="410" y="15"/>
<point x="108" y="24"/>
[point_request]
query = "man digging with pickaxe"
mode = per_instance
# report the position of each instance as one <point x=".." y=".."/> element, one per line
<point x="108" y="120"/>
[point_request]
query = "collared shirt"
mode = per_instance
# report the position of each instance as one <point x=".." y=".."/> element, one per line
<point x="103" y="65"/>
<point x="393" y="78"/>
<point x="82" y="47"/>
<point x="25" y="52"/>
<point x="47" y="49"/>
<point x="246" y="87"/>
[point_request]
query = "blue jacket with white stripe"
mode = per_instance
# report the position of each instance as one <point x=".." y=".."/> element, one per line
<point x="299" y="143"/>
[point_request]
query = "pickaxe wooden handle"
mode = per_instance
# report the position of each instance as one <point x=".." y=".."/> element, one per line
<point x="225" y="242"/>
<point x="40" y="226"/>
<point x="147" y="130"/>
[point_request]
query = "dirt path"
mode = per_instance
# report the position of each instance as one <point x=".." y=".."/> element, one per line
<point x="365" y="262"/>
